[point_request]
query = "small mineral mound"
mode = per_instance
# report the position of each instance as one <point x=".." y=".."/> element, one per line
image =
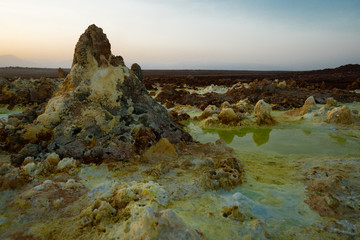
<point x="340" y="115"/>
<point x="100" y="110"/>
<point x="262" y="112"/>
<point x="308" y="107"/>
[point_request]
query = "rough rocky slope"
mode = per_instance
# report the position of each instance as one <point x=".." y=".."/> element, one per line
<point x="102" y="111"/>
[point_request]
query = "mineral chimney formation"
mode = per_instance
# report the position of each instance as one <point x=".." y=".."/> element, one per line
<point x="102" y="110"/>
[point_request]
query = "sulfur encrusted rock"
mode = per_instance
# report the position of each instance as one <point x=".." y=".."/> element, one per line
<point x="340" y="115"/>
<point x="225" y="174"/>
<point x="262" y="113"/>
<point x="228" y="116"/>
<point x="209" y="111"/>
<point x="308" y="107"/>
<point x="99" y="108"/>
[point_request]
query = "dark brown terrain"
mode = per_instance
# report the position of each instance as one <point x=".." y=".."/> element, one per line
<point x="341" y="77"/>
<point x="15" y="72"/>
<point x="321" y="84"/>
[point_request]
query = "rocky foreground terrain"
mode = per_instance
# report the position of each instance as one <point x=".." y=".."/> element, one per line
<point x="103" y="151"/>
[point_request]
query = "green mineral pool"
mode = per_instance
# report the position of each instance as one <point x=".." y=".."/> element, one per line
<point x="273" y="194"/>
<point x="308" y="139"/>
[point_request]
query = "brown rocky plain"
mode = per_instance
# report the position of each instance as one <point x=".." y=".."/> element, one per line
<point x="321" y="84"/>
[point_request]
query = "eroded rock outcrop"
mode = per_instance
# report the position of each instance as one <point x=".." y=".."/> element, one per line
<point x="340" y="115"/>
<point x="209" y="111"/>
<point x="308" y="107"/>
<point x="228" y="116"/>
<point x="262" y="113"/>
<point x="100" y="109"/>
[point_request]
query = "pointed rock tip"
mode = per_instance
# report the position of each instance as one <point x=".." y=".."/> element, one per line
<point x="93" y="26"/>
<point x="94" y="41"/>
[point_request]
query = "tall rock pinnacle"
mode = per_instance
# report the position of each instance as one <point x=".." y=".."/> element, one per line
<point x="103" y="110"/>
<point x="94" y="42"/>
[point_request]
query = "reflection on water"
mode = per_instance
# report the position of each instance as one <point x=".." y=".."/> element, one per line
<point x="286" y="139"/>
<point x="339" y="139"/>
<point x="228" y="138"/>
<point x="307" y="131"/>
<point x="260" y="136"/>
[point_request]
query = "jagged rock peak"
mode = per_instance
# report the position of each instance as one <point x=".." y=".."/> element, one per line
<point x="94" y="42"/>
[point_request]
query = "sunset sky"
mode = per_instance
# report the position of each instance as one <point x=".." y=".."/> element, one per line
<point x="205" y="34"/>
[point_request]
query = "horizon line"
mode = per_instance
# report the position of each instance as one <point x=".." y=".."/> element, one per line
<point x="198" y="69"/>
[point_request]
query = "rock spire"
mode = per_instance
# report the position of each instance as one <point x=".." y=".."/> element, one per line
<point x="102" y="110"/>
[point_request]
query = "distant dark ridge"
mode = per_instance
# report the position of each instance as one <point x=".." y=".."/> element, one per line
<point x="340" y="77"/>
<point x="24" y="72"/>
<point x="199" y="72"/>
<point x="349" y="68"/>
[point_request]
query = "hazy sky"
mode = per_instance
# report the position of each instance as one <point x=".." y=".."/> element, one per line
<point x="228" y="34"/>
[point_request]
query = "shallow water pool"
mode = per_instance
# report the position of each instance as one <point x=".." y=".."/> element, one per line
<point x="273" y="192"/>
<point x="312" y="139"/>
